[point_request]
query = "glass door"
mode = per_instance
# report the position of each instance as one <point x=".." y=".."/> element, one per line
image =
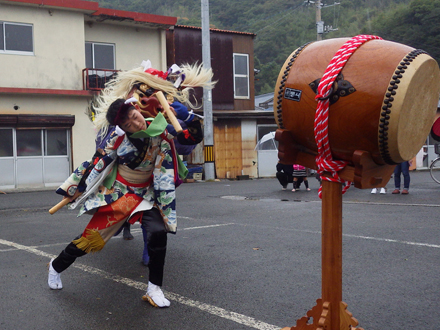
<point x="34" y="157"/>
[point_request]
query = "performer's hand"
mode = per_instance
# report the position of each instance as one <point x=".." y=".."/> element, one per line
<point x="165" y="112"/>
<point x="75" y="196"/>
<point x="182" y="112"/>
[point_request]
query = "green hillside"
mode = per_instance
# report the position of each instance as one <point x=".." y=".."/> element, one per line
<point x="282" y="26"/>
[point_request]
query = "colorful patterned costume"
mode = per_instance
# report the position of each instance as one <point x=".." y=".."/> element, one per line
<point x="118" y="197"/>
<point x="135" y="176"/>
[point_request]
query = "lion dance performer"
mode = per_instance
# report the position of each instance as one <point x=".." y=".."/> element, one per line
<point x="134" y="175"/>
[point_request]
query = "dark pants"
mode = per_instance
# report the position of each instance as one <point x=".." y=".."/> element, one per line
<point x="402" y="168"/>
<point x="156" y="240"/>
<point x="156" y="243"/>
<point x="284" y="178"/>
<point x="300" y="179"/>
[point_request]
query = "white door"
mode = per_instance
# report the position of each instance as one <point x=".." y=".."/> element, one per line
<point x="267" y="152"/>
<point x="267" y="162"/>
<point x="34" y="157"/>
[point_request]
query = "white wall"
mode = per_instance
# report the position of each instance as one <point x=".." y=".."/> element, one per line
<point x="58" y="49"/>
<point x="133" y="44"/>
<point x="249" y="141"/>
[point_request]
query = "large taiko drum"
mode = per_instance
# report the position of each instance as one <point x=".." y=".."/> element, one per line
<point x="383" y="102"/>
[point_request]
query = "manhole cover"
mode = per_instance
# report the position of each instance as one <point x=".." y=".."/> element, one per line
<point x="237" y="198"/>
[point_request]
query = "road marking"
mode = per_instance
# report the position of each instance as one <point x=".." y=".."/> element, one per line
<point x="393" y="204"/>
<point x="393" y="241"/>
<point x="389" y="240"/>
<point x="214" y="310"/>
<point x="134" y="231"/>
<point x="208" y="226"/>
<point x="27" y="249"/>
<point x="244" y="198"/>
<point x="318" y="232"/>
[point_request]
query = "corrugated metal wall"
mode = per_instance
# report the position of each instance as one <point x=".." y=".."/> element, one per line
<point x="227" y="148"/>
<point x="187" y="48"/>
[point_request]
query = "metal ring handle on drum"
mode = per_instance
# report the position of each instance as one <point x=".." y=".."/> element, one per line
<point x="329" y="93"/>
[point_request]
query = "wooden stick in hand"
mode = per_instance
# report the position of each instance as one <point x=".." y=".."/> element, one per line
<point x="66" y="200"/>
<point x="59" y="206"/>
<point x="166" y="107"/>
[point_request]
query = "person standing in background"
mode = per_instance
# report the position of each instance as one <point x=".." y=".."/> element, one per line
<point x="383" y="190"/>
<point x="299" y="175"/>
<point x="284" y="174"/>
<point x="402" y="168"/>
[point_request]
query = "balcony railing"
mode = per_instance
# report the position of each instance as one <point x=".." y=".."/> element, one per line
<point x="95" y="79"/>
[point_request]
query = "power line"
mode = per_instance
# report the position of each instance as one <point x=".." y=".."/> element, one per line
<point x="278" y="20"/>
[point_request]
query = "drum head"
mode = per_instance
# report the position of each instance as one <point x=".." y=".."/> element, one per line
<point x="416" y="99"/>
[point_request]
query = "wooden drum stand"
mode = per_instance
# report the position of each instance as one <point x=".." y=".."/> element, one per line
<point x="330" y="312"/>
<point x="375" y="120"/>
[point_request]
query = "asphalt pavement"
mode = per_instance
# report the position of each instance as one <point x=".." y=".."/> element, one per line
<point x="247" y="255"/>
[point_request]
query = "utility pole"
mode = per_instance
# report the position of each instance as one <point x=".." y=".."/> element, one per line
<point x="319" y="22"/>
<point x="207" y="96"/>
<point x="320" y="28"/>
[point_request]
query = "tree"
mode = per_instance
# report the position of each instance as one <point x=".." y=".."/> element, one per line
<point x="416" y="25"/>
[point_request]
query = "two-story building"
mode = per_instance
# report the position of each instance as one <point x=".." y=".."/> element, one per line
<point x="44" y="49"/>
<point x="56" y="55"/>
<point x="237" y="124"/>
<point x="44" y="89"/>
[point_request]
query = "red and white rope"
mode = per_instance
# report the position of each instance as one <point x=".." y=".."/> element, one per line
<point x="324" y="159"/>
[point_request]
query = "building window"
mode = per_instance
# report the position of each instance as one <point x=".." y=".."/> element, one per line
<point x="55" y="142"/>
<point x="28" y="142"/>
<point x="100" y="56"/>
<point x="16" y="38"/>
<point x="100" y="65"/>
<point x="266" y="137"/>
<point x="241" y="76"/>
<point x="6" y="147"/>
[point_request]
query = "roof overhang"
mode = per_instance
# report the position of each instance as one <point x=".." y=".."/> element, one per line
<point x="253" y="35"/>
<point x="73" y="5"/>
<point x="114" y="16"/>
<point x="95" y="13"/>
<point x="45" y="91"/>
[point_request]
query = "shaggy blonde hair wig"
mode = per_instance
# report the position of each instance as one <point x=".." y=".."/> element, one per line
<point x="120" y="87"/>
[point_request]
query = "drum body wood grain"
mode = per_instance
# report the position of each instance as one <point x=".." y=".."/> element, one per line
<point x="383" y="102"/>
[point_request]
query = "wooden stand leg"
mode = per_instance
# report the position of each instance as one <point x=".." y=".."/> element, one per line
<point x="330" y="312"/>
<point x="332" y="248"/>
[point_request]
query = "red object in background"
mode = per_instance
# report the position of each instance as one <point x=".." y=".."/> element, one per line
<point x="435" y="130"/>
